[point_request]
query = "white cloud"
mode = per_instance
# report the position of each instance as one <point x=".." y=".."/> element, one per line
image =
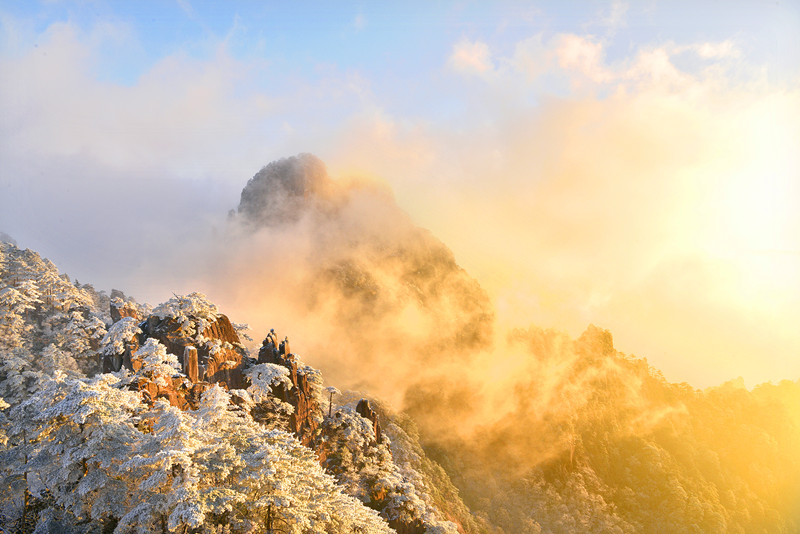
<point x="592" y="184"/>
<point x="719" y="50"/>
<point x="582" y="55"/>
<point x="93" y="172"/>
<point x="471" y="57"/>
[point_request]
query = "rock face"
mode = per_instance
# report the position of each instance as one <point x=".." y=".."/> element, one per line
<point x="190" y="365"/>
<point x="365" y="410"/>
<point x="179" y="392"/>
<point x="222" y="364"/>
<point x="307" y="415"/>
<point x="120" y="309"/>
<point x="220" y="360"/>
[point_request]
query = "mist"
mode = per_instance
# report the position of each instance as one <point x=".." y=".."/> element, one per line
<point x="559" y="246"/>
<point x="382" y="308"/>
<point x="652" y="195"/>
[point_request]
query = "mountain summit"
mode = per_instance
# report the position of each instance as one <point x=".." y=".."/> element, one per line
<point x="279" y="191"/>
<point x="365" y="269"/>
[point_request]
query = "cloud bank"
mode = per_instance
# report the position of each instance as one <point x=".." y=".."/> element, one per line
<point x="653" y="194"/>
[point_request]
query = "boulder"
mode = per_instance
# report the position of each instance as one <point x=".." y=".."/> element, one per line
<point x="120" y="309"/>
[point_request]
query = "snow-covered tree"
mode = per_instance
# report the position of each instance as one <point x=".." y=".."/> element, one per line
<point x="365" y="469"/>
<point x="193" y="312"/>
<point x="278" y="482"/>
<point x="331" y="391"/>
<point x="69" y="442"/>
<point x="157" y="364"/>
<point x="78" y="332"/>
<point x="241" y="331"/>
<point x="265" y="407"/>
<point x="263" y="377"/>
<point x="119" y="333"/>
<point x="16" y="304"/>
<point x="165" y="474"/>
<point x="22" y="372"/>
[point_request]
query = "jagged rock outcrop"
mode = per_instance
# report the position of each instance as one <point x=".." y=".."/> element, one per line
<point x="220" y="358"/>
<point x="307" y="415"/>
<point x="365" y="410"/>
<point x="222" y="363"/>
<point x="120" y="309"/>
<point x="178" y="391"/>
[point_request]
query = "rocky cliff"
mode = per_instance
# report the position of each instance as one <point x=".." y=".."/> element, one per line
<point x="302" y="394"/>
<point x="205" y="342"/>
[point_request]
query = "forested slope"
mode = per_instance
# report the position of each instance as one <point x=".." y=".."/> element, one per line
<point x="188" y="431"/>
<point x="148" y="448"/>
<point x="611" y="446"/>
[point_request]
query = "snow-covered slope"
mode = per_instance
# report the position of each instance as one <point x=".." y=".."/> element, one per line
<point x="147" y="448"/>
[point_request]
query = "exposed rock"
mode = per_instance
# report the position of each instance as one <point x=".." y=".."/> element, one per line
<point x="120" y="309"/>
<point x="222" y="363"/>
<point x="365" y="410"/>
<point x="220" y="359"/>
<point x="178" y="391"/>
<point x="111" y="363"/>
<point x="269" y="348"/>
<point x="190" y="366"/>
<point x="278" y="192"/>
<point x="128" y="360"/>
<point x="307" y="411"/>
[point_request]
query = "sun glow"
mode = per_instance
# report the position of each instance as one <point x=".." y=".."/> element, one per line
<point x="755" y="208"/>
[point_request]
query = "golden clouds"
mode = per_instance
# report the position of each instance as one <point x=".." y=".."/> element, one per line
<point x="636" y="184"/>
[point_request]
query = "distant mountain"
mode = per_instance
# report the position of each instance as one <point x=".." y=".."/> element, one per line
<point x="118" y="417"/>
<point x="593" y="440"/>
<point x="369" y="259"/>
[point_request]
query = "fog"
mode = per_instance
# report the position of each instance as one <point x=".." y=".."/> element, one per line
<point x="648" y="198"/>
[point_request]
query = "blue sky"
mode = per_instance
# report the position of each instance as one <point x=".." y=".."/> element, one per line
<point x="628" y="164"/>
<point x="404" y="39"/>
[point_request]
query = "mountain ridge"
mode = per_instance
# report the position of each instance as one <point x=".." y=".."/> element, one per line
<point x="529" y="432"/>
<point x="148" y="351"/>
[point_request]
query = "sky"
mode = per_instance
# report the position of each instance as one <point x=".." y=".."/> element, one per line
<point x="632" y="165"/>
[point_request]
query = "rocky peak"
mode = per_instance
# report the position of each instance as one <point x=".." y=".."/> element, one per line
<point x="307" y="414"/>
<point x="279" y="191"/>
<point x="365" y="410"/>
<point x="220" y="358"/>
